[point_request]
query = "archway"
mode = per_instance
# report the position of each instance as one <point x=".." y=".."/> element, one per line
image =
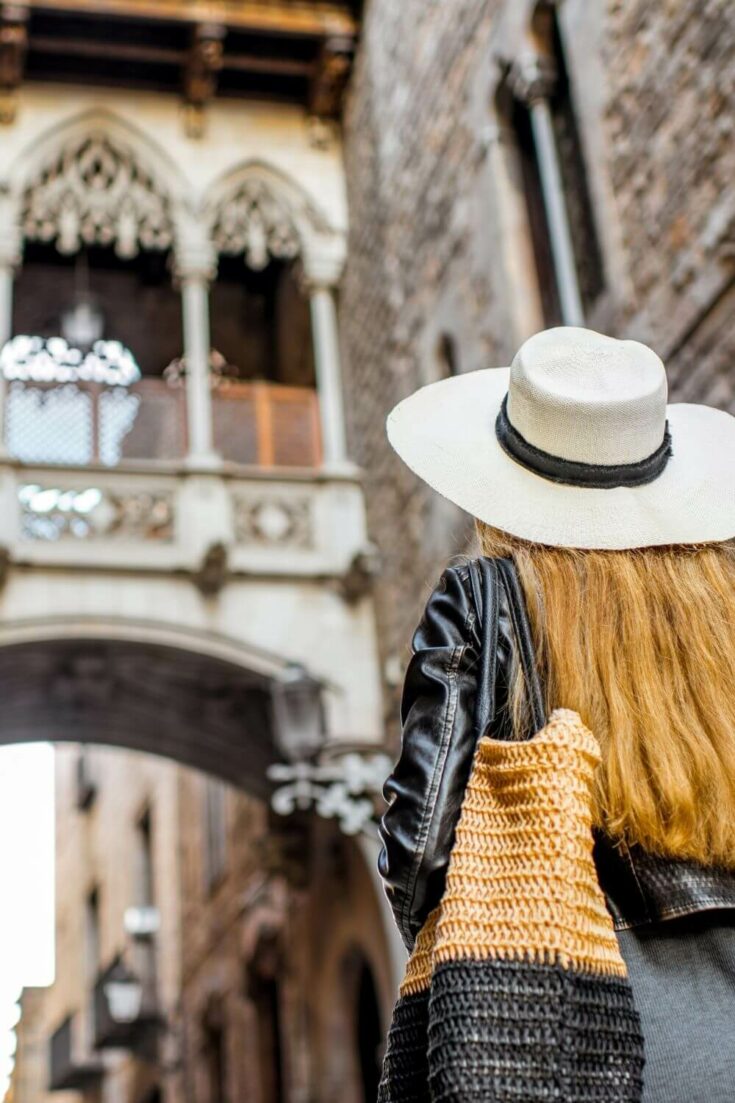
<point x="369" y="1032"/>
<point x="199" y="710"/>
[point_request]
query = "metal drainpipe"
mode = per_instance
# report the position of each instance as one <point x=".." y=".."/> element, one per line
<point x="532" y="80"/>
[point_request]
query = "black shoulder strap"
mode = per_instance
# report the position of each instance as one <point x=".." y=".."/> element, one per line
<point x="524" y="641"/>
<point x="484" y="578"/>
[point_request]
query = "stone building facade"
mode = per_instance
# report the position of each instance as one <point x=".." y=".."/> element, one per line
<point x="117" y="915"/>
<point x="449" y="264"/>
<point x="206" y="950"/>
<point x="286" y="981"/>
<point x="28" y="1078"/>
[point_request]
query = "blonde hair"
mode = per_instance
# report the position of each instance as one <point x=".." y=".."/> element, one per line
<point x="642" y="644"/>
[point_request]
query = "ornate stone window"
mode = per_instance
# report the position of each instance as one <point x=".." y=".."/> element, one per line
<point x="93" y="192"/>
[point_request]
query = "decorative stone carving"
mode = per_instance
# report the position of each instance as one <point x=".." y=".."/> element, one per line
<point x="55" y="513"/>
<point x="254" y="221"/>
<point x="280" y="521"/>
<point x="346" y="789"/>
<point x="94" y="193"/>
<point x="211" y="575"/>
<point x="220" y="371"/>
<point x="357" y="581"/>
<point x="532" y="77"/>
<point x="201" y="72"/>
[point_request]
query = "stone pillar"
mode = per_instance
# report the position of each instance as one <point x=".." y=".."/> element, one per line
<point x="322" y="269"/>
<point x="532" y="80"/>
<point x="195" y="268"/>
<point x="10" y="259"/>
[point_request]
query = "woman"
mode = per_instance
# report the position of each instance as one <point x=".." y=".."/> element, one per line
<point x="613" y="517"/>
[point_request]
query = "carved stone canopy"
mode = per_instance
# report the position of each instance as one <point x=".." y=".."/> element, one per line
<point x="95" y="193"/>
<point x="254" y="221"/>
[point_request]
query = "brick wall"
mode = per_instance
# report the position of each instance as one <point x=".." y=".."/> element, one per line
<point x="657" y="129"/>
<point x="414" y="271"/>
<point x="670" y="121"/>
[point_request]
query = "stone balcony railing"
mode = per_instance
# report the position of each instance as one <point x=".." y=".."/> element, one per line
<point x="98" y="477"/>
<point x="289" y="523"/>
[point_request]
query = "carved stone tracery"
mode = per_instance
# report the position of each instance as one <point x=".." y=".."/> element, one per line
<point x="254" y="221"/>
<point x="94" y="192"/>
<point x="51" y="513"/>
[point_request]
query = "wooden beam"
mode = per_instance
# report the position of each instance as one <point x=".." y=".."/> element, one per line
<point x="279" y="66"/>
<point x="122" y="51"/>
<point x="13" y="49"/>
<point x="115" y="51"/>
<point x="297" y="17"/>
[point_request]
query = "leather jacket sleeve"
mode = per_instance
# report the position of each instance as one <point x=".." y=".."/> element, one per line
<point x="424" y="793"/>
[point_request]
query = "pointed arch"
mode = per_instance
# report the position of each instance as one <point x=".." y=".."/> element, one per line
<point x="97" y="180"/>
<point x="260" y="212"/>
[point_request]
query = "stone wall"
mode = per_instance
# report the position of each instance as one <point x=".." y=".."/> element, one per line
<point x="670" y="121"/>
<point x="415" y="269"/>
<point x="433" y="244"/>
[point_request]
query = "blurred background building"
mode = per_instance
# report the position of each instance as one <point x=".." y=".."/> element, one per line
<point x="206" y="950"/>
<point x="186" y="566"/>
<point x="232" y="236"/>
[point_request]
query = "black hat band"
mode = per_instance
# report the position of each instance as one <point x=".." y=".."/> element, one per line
<point x="599" y="476"/>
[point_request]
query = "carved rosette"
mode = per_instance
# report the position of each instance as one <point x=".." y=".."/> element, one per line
<point x="252" y="221"/>
<point x="95" y="193"/>
<point x="283" y="521"/>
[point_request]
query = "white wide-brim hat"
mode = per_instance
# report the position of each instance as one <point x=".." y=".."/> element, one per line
<point x="574" y="446"/>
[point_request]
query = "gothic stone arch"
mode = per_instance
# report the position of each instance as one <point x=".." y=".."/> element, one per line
<point x="97" y="181"/>
<point x="258" y="212"/>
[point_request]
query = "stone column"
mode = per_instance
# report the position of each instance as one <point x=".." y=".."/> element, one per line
<point x="320" y="280"/>
<point x="195" y="269"/>
<point x="532" y="80"/>
<point x="10" y="258"/>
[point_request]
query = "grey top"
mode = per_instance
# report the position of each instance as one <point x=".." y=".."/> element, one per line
<point x="683" y="977"/>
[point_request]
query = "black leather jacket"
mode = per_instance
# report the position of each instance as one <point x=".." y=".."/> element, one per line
<point x="424" y="792"/>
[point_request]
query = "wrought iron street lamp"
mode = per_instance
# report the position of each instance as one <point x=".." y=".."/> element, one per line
<point x="299" y="727"/>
